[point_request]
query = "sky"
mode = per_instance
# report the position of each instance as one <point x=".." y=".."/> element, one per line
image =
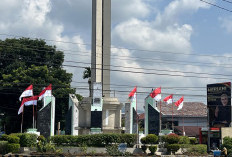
<point x="178" y="45"/>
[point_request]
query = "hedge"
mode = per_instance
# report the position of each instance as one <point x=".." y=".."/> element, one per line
<point x="96" y="140"/>
<point x="173" y="147"/>
<point x="199" y="149"/>
<point x="26" y="139"/>
<point x="172" y="138"/>
<point x="13" y="147"/>
<point x="3" y="147"/>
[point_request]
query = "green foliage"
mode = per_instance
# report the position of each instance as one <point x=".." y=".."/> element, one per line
<point x="112" y="150"/>
<point x="26" y="139"/>
<point x="3" y="147"/>
<point x="4" y="137"/>
<point x="227" y="142"/>
<point x="152" y="149"/>
<point x="199" y="149"/>
<point x="144" y="148"/>
<point x="173" y="147"/>
<point x="13" y="147"/>
<point x="193" y="140"/>
<point x="13" y="139"/>
<point x="151" y="139"/>
<point x="143" y="140"/>
<point x="184" y="140"/>
<point x="172" y="138"/>
<point x="27" y="61"/>
<point x="42" y="138"/>
<point x="97" y="140"/>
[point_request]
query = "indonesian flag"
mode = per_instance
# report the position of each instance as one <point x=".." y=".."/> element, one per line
<point x="132" y="95"/>
<point x="21" y="108"/>
<point x="30" y="101"/>
<point x="156" y="94"/>
<point x="46" y="92"/>
<point x="180" y="103"/>
<point x="27" y="102"/>
<point x="168" y="99"/>
<point x="28" y="92"/>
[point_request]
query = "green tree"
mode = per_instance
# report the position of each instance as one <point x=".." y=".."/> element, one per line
<point x="26" y="61"/>
<point x="87" y="75"/>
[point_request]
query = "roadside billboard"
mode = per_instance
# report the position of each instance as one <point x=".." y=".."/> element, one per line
<point x="219" y="104"/>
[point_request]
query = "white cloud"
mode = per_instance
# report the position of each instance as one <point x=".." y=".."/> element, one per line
<point x="226" y="23"/>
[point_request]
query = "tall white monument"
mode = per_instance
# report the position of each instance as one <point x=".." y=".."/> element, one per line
<point x="100" y="113"/>
<point x="101" y="42"/>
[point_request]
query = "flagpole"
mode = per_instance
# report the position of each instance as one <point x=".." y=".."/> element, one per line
<point x="33" y="117"/>
<point x="183" y="123"/>
<point x="22" y="121"/>
<point x="137" y="120"/>
<point x="172" y="117"/>
<point x="160" y="118"/>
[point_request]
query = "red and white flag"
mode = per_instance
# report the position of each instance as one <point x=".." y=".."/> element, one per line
<point x="27" y="102"/>
<point x="156" y="94"/>
<point x="180" y="103"/>
<point x="132" y="95"/>
<point x="169" y="99"/>
<point x="28" y="92"/>
<point x="46" y="92"/>
<point x="21" y="108"/>
<point x="30" y="101"/>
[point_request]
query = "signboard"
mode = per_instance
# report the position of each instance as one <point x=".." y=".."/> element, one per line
<point x="97" y="97"/>
<point x="219" y="104"/>
<point x="122" y="147"/>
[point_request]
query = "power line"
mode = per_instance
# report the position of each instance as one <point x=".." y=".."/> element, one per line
<point x="141" y="72"/>
<point x="227" y="1"/>
<point x="217" y="6"/>
<point x="113" y="47"/>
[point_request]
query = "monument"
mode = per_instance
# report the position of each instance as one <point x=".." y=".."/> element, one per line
<point x="100" y="113"/>
<point x="151" y="116"/>
<point x="46" y="117"/>
<point x="130" y="118"/>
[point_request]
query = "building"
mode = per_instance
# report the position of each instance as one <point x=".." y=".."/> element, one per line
<point x="186" y="121"/>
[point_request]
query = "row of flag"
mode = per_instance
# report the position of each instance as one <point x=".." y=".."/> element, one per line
<point x="30" y="99"/>
<point x="156" y="95"/>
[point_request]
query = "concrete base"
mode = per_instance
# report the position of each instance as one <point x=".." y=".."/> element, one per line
<point x="111" y="115"/>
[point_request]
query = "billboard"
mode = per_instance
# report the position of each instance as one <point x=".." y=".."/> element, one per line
<point x="219" y="104"/>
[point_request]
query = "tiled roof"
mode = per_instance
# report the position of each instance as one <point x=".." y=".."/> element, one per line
<point x="192" y="131"/>
<point x="190" y="109"/>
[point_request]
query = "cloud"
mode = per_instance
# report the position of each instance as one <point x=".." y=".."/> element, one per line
<point x="226" y="23"/>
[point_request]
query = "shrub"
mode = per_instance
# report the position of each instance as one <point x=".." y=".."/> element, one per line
<point x="173" y="147"/>
<point x="26" y="139"/>
<point x="200" y="149"/>
<point x="41" y="138"/>
<point x="172" y="138"/>
<point x="143" y="140"/>
<point x="193" y="140"/>
<point x="3" y="147"/>
<point x="4" y="137"/>
<point x="153" y="149"/>
<point x="13" y="147"/>
<point x="144" y="148"/>
<point x="151" y="139"/>
<point x="227" y="142"/>
<point x="129" y="139"/>
<point x="13" y="139"/>
<point x="112" y="150"/>
<point x="184" y="140"/>
<point x="97" y="140"/>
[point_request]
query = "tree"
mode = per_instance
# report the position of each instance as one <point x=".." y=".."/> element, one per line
<point x="87" y="74"/>
<point x="26" y="61"/>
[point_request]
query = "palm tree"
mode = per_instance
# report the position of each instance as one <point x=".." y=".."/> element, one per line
<point x="87" y="74"/>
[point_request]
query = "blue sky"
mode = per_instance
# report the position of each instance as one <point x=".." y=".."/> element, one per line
<point x="168" y="37"/>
